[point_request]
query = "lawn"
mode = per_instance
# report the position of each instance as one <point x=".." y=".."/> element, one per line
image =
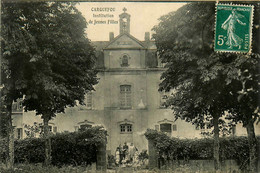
<point x="38" y="168"/>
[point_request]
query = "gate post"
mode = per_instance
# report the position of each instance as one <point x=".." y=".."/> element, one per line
<point x="101" y="158"/>
<point x="153" y="156"/>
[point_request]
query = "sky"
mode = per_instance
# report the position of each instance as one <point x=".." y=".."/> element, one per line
<point x="144" y="15"/>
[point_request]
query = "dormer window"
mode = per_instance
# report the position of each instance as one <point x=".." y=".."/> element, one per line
<point x="124" y="61"/>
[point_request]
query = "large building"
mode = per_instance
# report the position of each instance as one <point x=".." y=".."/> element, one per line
<point x="126" y="101"/>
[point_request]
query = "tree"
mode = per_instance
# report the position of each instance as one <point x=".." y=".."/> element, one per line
<point x="57" y="61"/>
<point x="207" y="83"/>
<point x="14" y="47"/>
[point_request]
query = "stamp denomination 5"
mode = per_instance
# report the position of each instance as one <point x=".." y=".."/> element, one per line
<point x="233" y="28"/>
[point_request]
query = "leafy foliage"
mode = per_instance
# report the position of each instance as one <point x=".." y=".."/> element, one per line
<point x="46" y="55"/>
<point x="3" y="145"/>
<point x="33" y="130"/>
<point x="205" y="81"/>
<point x="46" y="58"/>
<point x="77" y="148"/>
<point x="143" y="155"/>
<point x="235" y="148"/>
<point x="29" y="150"/>
<point x="208" y="84"/>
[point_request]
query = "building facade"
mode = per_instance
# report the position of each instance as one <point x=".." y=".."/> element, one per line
<point x="126" y="101"/>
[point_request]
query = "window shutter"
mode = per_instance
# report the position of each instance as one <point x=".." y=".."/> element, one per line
<point x="19" y="133"/>
<point x="55" y="129"/>
<point x="125" y="96"/>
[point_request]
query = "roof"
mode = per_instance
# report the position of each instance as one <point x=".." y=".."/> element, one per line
<point x="100" y="45"/>
<point x="125" y="34"/>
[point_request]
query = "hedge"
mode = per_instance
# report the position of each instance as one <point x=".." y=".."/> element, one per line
<point x="170" y="148"/>
<point x="76" y="148"/>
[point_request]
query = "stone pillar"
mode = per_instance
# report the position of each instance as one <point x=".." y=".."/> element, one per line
<point x="101" y="158"/>
<point x="153" y="156"/>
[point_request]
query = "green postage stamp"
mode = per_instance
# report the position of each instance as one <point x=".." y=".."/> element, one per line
<point x="233" y="30"/>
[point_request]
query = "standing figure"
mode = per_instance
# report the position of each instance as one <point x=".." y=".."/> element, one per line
<point x="125" y="151"/>
<point x="117" y="156"/>
<point x="229" y="25"/>
<point x="121" y="154"/>
<point x="132" y="150"/>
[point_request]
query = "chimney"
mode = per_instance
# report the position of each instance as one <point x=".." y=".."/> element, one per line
<point x="147" y="36"/>
<point x="111" y="36"/>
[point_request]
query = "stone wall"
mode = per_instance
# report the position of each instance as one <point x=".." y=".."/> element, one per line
<point x="197" y="165"/>
<point x="189" y="166"/>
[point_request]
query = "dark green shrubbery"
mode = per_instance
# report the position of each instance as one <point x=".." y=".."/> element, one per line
<point x="143" y="155"/>
<point x="76" y="148"/>
<point x="235" y="148"/>
<point x="3" y="145"/>
<point x="29" y="150"/>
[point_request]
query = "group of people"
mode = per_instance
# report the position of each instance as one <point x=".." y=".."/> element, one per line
<point x="126" y="154"/>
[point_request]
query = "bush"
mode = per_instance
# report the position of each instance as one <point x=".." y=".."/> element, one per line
<point x="3" y="145"/>
<point x="143" y="155"/>
<point x="235" y="148"/>
<point x="29" y="150"/>
<point x="76" y="148"/>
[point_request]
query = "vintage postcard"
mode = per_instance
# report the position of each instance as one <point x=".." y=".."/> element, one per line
<point x="129" y="86"/>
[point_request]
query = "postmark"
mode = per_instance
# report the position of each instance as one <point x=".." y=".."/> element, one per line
<point x="233" y="30"/>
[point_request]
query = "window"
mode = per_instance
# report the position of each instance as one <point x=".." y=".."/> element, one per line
<point x="20" y="105"/>
<point x="17" y="106"/>
<point x="50" y="128"/>
<point x="85" y="126"/>
<point x="125" y="128"/>
<point x="166" y="127"/>
<point x="124" y="62"/>
<point x="89" y="100"/>
<point x="19" y="133"/>
<point x="206" y="127"/>
<point x="125" y="96"/>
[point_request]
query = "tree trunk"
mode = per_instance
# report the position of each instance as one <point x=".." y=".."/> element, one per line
<point x="253" y="150"/>
<point x="47" y="141"/>
<point x="10" y="136"/>
<point x="216" y="143"/>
